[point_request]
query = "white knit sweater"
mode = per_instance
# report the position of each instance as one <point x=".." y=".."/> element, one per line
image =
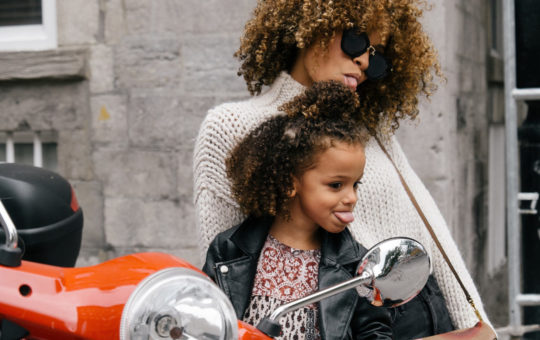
<point x="383" y="209"/>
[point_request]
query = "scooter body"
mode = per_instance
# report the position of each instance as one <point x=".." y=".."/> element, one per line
<point x="84" y="303"/>
<point x="53" y="302"/>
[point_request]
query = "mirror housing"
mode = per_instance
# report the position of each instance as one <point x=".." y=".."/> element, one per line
<point x="399" y="268"/>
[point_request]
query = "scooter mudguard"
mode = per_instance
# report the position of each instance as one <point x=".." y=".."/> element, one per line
<point x="75" y="303"/>
<point x="249" y="332"/>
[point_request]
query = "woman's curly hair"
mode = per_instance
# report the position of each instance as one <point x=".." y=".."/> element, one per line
<point x="261" y="167"/>
<point x="279" y="28"/>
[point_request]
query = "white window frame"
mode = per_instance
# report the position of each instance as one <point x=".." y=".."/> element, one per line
<point x="32" y="37"/>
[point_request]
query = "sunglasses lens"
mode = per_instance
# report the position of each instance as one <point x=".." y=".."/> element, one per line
<point x="378" y="67"/>
<point x="354" y="44"/>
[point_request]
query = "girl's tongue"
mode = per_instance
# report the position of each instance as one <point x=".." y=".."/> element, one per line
<point x="344" y="216"/>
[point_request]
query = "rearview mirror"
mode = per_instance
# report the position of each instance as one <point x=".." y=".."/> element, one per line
<point x="398" y="269"/>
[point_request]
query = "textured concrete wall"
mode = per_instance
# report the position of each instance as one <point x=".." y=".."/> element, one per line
<point x="151" y="69"/>
<point x="453" y="123"/>
<point x="154" y="69"/>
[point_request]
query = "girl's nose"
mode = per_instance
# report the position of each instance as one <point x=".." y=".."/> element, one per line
<point x="362" y="61"/>
<point x="351" y="197"/>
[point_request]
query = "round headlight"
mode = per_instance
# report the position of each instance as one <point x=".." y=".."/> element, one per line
<point x="178" y="303"/>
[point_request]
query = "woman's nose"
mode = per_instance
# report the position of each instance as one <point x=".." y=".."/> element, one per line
<point x="362" y="61"/>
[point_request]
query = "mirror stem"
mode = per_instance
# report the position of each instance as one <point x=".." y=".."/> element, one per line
<point x="270" y="325"/>
<point x="322" y="294"/>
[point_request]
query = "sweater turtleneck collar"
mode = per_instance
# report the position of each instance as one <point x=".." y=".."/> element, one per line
<point x="281" y="91"/>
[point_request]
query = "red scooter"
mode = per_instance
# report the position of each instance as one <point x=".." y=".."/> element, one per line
<point x="144" y="295"/>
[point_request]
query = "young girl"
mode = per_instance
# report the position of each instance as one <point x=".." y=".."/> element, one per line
<point x="296" y="176"/>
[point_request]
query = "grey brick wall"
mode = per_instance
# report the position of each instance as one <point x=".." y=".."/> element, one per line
<point x="154" y="69"/>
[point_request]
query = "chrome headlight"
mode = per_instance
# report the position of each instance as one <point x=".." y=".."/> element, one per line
<point x="178" y="303"/>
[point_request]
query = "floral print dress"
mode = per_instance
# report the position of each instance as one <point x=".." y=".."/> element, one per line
<point x="285" y="274"/>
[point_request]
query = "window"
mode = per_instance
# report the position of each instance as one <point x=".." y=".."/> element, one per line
<point x="36" y="148"/>
<point x="27" y="25"/>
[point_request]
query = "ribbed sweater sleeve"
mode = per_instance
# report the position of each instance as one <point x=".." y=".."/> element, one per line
<point x="223" y="127"/>
<point x="215" y="208"/>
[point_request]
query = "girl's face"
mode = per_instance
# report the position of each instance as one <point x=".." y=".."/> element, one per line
<point x="312" y="64"/>
<point x="325" y="194"/>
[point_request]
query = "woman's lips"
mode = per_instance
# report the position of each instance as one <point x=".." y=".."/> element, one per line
<point x="345" y="217"/>
<point x="350" y="81"/>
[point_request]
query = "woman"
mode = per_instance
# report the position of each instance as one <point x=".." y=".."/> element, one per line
<point x="379" y="49"/>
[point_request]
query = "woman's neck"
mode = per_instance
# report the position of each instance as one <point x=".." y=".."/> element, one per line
<point x="298" y="71"/>
<point x="294" y="235"/>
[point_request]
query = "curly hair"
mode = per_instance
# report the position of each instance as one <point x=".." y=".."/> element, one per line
<point x="261" y="167"/>
<point x="279" y="28"/>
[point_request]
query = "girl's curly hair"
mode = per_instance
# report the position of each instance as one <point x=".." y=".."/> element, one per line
<point x="261" y="167"/>
<point x="279" y="28"/>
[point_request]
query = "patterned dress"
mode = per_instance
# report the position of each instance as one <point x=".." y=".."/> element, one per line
<point x="285" y="274"/>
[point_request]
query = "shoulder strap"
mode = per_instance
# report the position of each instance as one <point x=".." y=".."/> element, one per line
<point x="430" y="229"/>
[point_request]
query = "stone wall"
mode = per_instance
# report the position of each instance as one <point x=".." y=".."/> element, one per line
<point x="154" y="69"/>
<point x="451" y="154"/>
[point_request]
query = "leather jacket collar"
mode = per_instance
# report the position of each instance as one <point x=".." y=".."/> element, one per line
<point x="340" y="248"/>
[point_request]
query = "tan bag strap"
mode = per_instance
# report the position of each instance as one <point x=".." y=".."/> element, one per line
<point x="430" y="229"/>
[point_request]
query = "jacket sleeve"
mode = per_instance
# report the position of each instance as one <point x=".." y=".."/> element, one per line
<point x="370" y="322"/>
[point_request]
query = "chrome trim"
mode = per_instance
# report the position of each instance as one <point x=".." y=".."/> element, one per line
<point x="9" y="228"/>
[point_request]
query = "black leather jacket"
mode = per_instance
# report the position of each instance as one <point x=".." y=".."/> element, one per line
<point x="232" y="263"/>
<point x="423" y="316"/>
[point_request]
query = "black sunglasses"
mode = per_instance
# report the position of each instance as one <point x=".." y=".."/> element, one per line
<point x="355" y="44"/>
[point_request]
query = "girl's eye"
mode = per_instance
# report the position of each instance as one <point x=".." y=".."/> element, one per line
<point x="335" y="185"/>
<point x="357" y="183"/>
